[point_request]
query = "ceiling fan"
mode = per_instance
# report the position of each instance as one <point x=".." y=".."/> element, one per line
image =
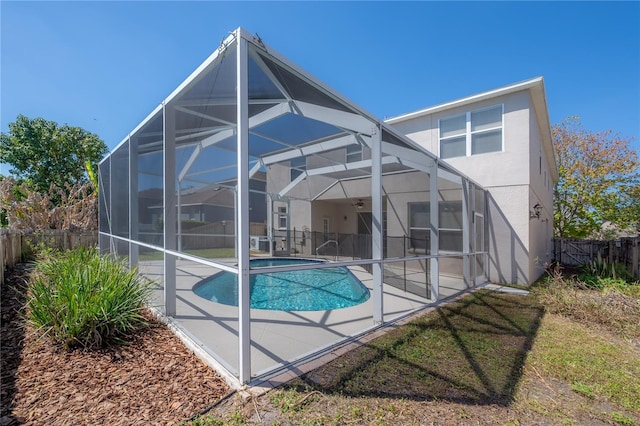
<point x="359" y="204"/>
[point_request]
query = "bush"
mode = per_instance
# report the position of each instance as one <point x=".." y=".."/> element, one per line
<point x="81" y="299"/>
<point x="598" y="273"/>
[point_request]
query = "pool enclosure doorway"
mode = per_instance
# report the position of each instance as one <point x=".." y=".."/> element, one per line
<point x="252" y="157"/>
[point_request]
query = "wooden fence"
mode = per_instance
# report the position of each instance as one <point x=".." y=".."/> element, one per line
<point x="573" y="252"/>
<point x="15" y="246"/>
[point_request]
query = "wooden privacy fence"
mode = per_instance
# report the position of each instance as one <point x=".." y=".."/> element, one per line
<point x="16" y="245"/>
<point x="569" y="251"/>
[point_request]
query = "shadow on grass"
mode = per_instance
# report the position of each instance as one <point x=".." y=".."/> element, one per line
<point x="14" y="300"/>
<point x="471" y="351"/>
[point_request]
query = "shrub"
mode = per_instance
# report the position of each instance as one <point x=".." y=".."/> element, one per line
<point x="81" y="299"/>
<point x="599" y="273"/>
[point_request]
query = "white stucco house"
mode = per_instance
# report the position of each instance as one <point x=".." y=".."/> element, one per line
<point x="502" y="140"/>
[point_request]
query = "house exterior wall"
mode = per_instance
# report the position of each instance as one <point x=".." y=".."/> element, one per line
<point x="516" y="179"/>
<point x="541" y="192"/>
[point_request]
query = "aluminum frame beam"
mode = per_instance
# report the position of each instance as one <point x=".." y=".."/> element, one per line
<point x="242" y="241"/>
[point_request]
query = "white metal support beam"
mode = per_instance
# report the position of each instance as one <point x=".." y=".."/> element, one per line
<point x="312" y="148"/>
<point x="201" y="115"/>
<point x="267" y="71"/>
<point x="345" y="120"/>
<point x="179" y="213"/>
<point x="377" y="224"/>
<point x="133" y="201"/>
<point x="242" y="240"/>
<point x="255" y="169"/>
<point x="435" y="233"/>
<point x="293" y="184"/>
<point x="112" y="242"/>
<point x="270" y="222"/>
<point x="466" y="239"/>
<point x="169" y="166"/>
<point x="258" y="119"/>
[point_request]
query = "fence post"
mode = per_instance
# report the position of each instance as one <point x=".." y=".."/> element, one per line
<point x="610" y="251"/>
<point x="560" y="252"/>
<point x="634" y="258"/>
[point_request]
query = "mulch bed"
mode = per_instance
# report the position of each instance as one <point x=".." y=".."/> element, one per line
<point x="153" y="379"/>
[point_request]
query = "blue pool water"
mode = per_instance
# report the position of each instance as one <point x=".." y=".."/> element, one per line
<point x="307" y="290"/>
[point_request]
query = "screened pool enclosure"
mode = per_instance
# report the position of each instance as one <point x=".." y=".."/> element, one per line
<point x="253" y="158"/>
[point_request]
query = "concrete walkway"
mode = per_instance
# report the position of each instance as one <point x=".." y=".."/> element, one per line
<point x="505" y="289"/>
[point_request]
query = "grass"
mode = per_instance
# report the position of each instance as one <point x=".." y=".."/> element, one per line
<point x="469" y="350"/>
<point x="79" y="298"/>
<point x="594" y="366"/>
<point x="488" y="358"/>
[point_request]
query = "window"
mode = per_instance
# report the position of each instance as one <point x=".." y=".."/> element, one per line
<point x="419" y="227"/>
<point x="472" y="133"/>
<point x="282" y="217"/>
<point x="354" y="153"/>
<point x="450" y="226"/>
<point x="298" y="165"/>
<point x="325" y="227"/>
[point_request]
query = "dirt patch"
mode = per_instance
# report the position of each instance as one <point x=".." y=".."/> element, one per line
<point x="153" y="379"/>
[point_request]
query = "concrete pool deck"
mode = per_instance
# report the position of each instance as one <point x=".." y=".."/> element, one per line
<point x="280" y="340"/>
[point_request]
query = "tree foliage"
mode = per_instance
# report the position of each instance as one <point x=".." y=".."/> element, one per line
<point x="73" y="208"/>
<point x="598" y="181"/>
<point x="43" y="153"/>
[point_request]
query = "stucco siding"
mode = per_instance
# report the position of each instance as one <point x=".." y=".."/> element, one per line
<point x="508" y="234"/>
<point x="517" y="178"/>
<point x="541" y="192"/>
<point x="510" y="167"/>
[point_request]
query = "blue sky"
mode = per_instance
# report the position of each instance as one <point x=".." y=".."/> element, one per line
<point x="104" y="66"/>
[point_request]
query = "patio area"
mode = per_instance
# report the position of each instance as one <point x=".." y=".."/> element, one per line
<point x="278" y="338"/>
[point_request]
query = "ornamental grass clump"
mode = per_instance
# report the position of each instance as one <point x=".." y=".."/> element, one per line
<point x="81" y="299"/>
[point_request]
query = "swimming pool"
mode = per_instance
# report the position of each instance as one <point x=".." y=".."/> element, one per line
<point x="305" y="290"/>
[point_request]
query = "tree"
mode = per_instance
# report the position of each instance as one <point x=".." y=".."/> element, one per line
<point x="43" y="153"/>
<point x="598" y="181"/>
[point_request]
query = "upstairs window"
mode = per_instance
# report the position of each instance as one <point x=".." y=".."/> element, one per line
<point x="472" y="133"/>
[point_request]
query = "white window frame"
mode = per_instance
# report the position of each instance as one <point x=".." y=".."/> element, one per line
<point x="325" y="227"/>
<point x="413" y="227"/>
<point x="457" y="205"/>
<point x="282" y="215"/>
<point x="468" y="133"/>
